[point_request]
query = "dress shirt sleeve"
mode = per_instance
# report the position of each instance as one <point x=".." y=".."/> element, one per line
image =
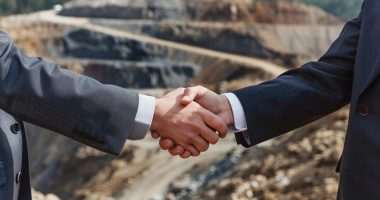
<point x="144" y="117"/>
<point x="240" y="123"/>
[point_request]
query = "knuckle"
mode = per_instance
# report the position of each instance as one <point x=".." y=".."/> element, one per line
<point x="224" y="132"/>
<point x="198" y="127"/>
<point x="198" y="111"/>
<point x="222" y="128"/>
<point x="219" y="128"/>
<point x="172" y="153"/>
<point x="220" y="124"/>
<point x="202" y="146"/>
<point x="163" y="146"/>
<point x="196" y="153"/>
<point x="225" y="128"/>
<point x="188" y="147"/>
<point x="190" y="138"/>
<point x="180" y="150"/>
<point x="206" y="147"/>
<point x="192" y="150"/>
<point x="197" y="108"/>
<point x="214" y="140"/>
<point x="175" y="150"/>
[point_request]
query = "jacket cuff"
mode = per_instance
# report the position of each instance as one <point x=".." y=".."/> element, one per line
<point x="242" y="138"/>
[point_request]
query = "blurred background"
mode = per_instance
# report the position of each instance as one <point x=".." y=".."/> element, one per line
<point x="153" y="46"/>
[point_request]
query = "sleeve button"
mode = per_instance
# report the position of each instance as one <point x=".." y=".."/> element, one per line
<point x="363" y="110"/>
<point x="16" y="128"/>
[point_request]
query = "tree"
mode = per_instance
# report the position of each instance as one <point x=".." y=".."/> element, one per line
<point x="24" y="6"/>
<point x="7" y="6"/>
<point x="341" y="8"/>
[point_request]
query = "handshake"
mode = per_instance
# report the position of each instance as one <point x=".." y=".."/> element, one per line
<point x="189" y="120"/>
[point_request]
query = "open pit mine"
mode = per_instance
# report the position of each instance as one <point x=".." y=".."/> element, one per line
<point x="155" y="46"/>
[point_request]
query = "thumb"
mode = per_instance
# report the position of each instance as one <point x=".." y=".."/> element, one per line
<point x="188" y="96"/>
<point x="192" y="94"/>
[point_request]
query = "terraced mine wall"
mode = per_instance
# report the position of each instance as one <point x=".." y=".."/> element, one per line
<point x="135" y="64"/>
<point x="286" y="45"/>
<point x="124" y="62"/>
<point x="248" y="11"/>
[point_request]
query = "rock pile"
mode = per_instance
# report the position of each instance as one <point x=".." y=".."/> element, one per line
<point x="258" y="12"/>
<point x="39" y="196"/>
<point x="297" y="166"/>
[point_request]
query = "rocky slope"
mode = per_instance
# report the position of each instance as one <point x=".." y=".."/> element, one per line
<point x="297" y="166"/>
<point x="39" y="196"/>
<point x="247" y="11"/>
<point x="287" y="45"/>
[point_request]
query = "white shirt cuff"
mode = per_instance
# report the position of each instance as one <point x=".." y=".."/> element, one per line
<point x="238" y="113"/>
<point x="144" y="117"/>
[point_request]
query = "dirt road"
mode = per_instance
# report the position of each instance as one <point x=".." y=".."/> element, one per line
<point x="165" y="169"/>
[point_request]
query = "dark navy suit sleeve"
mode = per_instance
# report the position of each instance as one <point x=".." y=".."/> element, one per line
<point x="302" y="95"/>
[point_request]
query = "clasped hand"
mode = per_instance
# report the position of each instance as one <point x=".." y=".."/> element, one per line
<point x="189" y="120"/>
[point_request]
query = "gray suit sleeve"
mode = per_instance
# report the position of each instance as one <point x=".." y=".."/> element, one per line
<point x="301" y="95"/>
<point x="41" y="93"/>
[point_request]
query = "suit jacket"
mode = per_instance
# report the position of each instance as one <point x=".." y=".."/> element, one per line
<point x="347" y="73"/>
<point x="41" y="93"/>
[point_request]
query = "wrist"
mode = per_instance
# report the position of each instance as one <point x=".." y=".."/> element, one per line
<point x="156" y="115"/>
<point x="226" y="111"/>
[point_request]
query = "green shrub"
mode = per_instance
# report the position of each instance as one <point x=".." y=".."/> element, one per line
<point x="24" y="6"/>
<point x="340" y="8"/>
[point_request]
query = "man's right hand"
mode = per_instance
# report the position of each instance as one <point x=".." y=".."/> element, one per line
<point x="191" y="126"/>
<point x="218" y="104"/>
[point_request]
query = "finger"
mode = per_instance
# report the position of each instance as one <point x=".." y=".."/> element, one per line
<point x="207" y="134"/>
<point x="155" y="134"/>
<point x="215" y="122"/>
<point x="193" y="151"/>
<point x="177" y="150"/>
<point x="192" y="94"/>
<point x="166" y="144"/>
<point x="185" y="155"/>
<point x="188" y="96"/>
<point x="201" y="144"/>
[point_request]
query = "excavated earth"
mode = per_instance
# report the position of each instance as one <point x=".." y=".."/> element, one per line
<point x="247" y="11"/>
<point x="299" y="165"/>
<point x="287" y="45"/>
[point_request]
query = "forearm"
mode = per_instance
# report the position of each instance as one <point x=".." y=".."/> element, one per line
<point x="40" y="92"/>
<point x="305" y="94"/>
<point x="287" y="103"/>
